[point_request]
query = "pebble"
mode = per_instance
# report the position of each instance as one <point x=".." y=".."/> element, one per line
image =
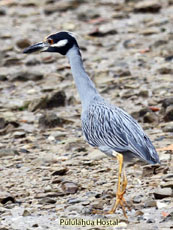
<point x="2" y="122"/>
<point x="137" y="199"/>
<point x="26" y="76"/>
<point x="150" y="117"/>
<point x="23" y="43"/>
<point x="169" y="113"/>
<point x="167" y="102"/>
<point x="50" y="120"/>
<point x="150" y="203"/>
<point x="3" y="11"/>
<point x="161" y="193"/>
<point x="47" y="200"/>
<point x="60" y="171"/>
<point x="8" y="152"/>
<point x="168" y="127"/>
<point x="56" y="99"/>
<point x="147" y="6"/>
<point x="70" y="187"/>
<point x="19" y="134"/>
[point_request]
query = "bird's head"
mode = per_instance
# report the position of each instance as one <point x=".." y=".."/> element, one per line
<point x="60" y="42"/>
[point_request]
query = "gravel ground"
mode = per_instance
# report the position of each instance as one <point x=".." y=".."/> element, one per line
<point x="49" y="174"/>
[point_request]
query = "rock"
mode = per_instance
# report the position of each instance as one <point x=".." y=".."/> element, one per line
<point x="56" y="99"/>
<point x="39" y="103"/>
<point x="2" y="122"/>
<point x="137" y="199"/>
<point x="169" y="113"/>
<point x="61" y="6"/>
<point x="168" y="184"/>
<point x="74" y="201"/>
<point x="150" y="203"/>
<point x="168" y="127"/>
<point x="161" y="193"/>
<point x="165" y="70"/>
<point x="26" y="76"/>
<point x="150" y="117"/>
<point x="19" y="134"/>
<point x="121" y="71"/>
<point x="47" y="200"/>
<point x="3" y="77"/>
<point x="149" y="170"/>
<point x="147" y="6"/>
<point x="60" y="172"/>
<point x="69" y="187"/>
<point x="50" y="120"/>
<point x="3" y="11"/>
<point x="26" y="213"/>
<point x="8" y="152"/>
<point x="11" y="61"/>
<point x="144" y="93"/>
<point x="168" y="177"/>
<point x="150" y="221"/>
<point x="102" y="33"/>
<point x="31" y="61"/>
<point x="23" y="43"/>
<point x="167" y="102"/>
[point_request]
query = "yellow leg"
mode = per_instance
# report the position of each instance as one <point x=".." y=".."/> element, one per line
<point x="121" y="188"/>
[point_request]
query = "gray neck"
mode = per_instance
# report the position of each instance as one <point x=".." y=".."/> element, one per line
<point x="85" y="86"/>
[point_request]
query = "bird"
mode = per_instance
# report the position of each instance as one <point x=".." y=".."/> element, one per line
<point x="105" y="126"/>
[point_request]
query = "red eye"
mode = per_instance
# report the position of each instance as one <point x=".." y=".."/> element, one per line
<point x="50" y="41"/>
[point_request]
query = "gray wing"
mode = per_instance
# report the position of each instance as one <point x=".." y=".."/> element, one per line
<point x="105" y="125"/>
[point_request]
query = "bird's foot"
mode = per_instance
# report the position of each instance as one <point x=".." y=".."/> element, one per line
<point x="120" y="201"/>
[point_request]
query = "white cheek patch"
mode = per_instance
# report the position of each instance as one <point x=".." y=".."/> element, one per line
<point x="61" y="43"/>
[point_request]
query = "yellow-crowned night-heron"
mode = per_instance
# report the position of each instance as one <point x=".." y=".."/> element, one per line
<point x="104" y="126"/>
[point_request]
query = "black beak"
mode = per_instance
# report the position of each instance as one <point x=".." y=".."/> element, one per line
<point x="39" y="47"/>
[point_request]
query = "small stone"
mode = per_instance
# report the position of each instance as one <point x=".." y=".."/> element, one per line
<point x="60" y="6"/>
<point x="150" y="220"/>
<point x="168" y="177"/>
<point x="147" y="6"/>
<point x="69" y="187"/>
<point x="38" y="103"/>
<point x="165" y="70"/>
<point x="2" y="122"/>
<point x="11" y="61"/>
<point x="56" y="99"/>
<point x="150" y="117"/>
<point x="3" y="77"/>
<point x="150" y="203"/>
<point x="3" y="11"/>
<point x="60" y="172"/>
<point x="23" y="43"/>
<point x="137" y="199"/>
<point x="168" y="127"/>
<point x="169" y="113"/>
<point x="26" y="76"/>
<point x="19" y="134"/>
<point x="31" y="61"/>
<point x="50" y="120"/>
<point x="26" y="213"/>
<point x="8" y="152"/>
<point x="162" y="193"/>
<point x="74" y="201"/>
<point x="167" y="102"/>
<point x="144" y="93"/>
<point x="47" y="200"/>
<point x="168" y="184"/>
